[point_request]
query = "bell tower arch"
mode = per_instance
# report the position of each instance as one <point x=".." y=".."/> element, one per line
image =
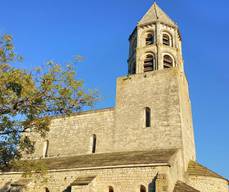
<point x="157" y="34"/>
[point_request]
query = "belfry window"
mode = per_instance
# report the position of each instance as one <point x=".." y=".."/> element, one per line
<point x="149" y="63"/>
<point x="93" y="143"/>
<point x="147" y="117"/>
<point x="167" y="62"/>
<point x="142" y="188"/>
<point x="45" y="149"/>
<point x="149" y="39"/>
<point x="167" y="39"/>
<point x="111" y="189"/>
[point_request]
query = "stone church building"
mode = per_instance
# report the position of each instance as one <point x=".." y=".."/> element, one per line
<point x="144" y="144"/>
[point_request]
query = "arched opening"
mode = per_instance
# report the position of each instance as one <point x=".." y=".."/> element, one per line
<point x="147" y="117"/>
<point x="142" y="188"/>
<point x="111" y="189"/>
<point x="167" y="39"/>
<point x="167" y="61"/>
<point x="149" y="63"/>
<point x="46" y="189"/>
<point x="149" y="39"/>
<point x="93" y="143"/>
<point x="45" y="149"/>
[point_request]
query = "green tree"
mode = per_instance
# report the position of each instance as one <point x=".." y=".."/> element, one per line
<point x="28" y="100"/>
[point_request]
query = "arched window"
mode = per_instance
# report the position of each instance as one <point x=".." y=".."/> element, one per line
<point x="142" y="188"/>
<point x="167" y="39"/>
<point x="167" y="61"/>
<point x="149" y="63"/>
<point x="93" y="143"/>
<point x="45" y="149"/>
<point x="147" y="117"/>
<point x="46" y="189"/>
<point x="149" y="39"/>
<point x="111" y="189"/>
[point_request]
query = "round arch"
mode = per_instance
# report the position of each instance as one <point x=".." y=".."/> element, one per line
<point x="147" y="37"/>
<point x="149" y="62"/>
<point x="167" y="38"/>
<point x="168" y="61"/>
<point x="142" y="188"/>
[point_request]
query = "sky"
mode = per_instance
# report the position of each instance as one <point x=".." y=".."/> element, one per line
<point x="99" y="30"/>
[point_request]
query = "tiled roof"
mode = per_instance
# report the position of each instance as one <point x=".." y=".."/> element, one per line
<point x="155" y="13"/>
<point x="197" y="169"/>
<point x="183" y="187"/>
<point x="109" y="159"/>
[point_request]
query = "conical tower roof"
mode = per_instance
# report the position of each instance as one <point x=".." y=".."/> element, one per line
<point x="155" y="13"/>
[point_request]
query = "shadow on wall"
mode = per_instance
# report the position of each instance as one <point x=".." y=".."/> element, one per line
<point x="152" y="185"/>
<point x="11" y="188"/>
<point x="68" y="189"/>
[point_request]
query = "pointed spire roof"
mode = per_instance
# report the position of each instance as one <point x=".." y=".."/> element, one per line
<point x="155" y="13"/>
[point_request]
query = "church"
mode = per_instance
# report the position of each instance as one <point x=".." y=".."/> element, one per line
<point x="145" y="143"/>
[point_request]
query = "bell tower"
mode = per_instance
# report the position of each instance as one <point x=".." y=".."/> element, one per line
<point x="155" y="43"/>
<point x="153" y="109"/>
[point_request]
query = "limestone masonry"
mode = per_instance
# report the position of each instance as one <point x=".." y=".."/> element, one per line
<point x="144" y="144"/>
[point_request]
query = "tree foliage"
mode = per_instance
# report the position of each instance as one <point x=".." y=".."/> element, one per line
<point x="28" y="100"/>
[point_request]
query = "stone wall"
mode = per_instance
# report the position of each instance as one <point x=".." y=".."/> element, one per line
<point x="165" y="92"/>
<point x="72" y="135"/>
<point x="189" y="151"/>
<point x="158" y="90"/>
<point x="121" y="179"/>
<point x="208" y="184"/>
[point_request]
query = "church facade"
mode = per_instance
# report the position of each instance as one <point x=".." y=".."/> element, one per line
<point x="144" y="144"/>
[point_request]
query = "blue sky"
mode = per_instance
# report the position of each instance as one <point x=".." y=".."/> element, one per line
<point x="99" y="30"/>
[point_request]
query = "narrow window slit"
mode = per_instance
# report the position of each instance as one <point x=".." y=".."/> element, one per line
<point x="147" y="117"/>
<point x="111" y="189"/>
<point x="93" y="143"/>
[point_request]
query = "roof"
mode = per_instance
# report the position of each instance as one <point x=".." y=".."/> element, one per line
<point x="108" y="159"/>
<point x="183" y="187"/>
<point x="197" y="169"/>
<point x="83" y="181"/>
<point x="155" y="13"/>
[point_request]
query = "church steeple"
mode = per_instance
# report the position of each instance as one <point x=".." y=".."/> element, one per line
<point x="155" y="43"/>
<point x="154" y="14"/>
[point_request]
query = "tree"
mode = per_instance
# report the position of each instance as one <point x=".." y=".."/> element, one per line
<point x="28" y="100"/>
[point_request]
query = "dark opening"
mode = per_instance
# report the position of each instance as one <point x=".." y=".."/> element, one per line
<point x="150" y="39"/>
<point x="149" y="63"/>
<point x="168" y="62"/>
<point x="142" y="188"/>
<point x="147" y="117"/>
<point x="46" y="189"/>
<point x="166" y="39"/>
<point x="46" y="146"/>
<point x="111" y="189"/>
<point x="93" y="143"/>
